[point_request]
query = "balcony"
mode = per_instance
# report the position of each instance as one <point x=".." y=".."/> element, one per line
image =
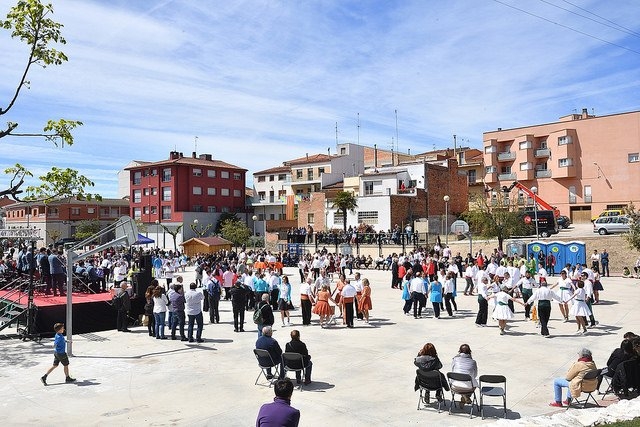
<point x="543" y="152"/>
<point x="543" y="174"/>
<point x="506" y="156"/>
<point x="407" y="191"/>
<point x="507" y="177"/>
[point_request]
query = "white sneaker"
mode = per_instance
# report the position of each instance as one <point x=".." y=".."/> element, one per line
<point x="283" y="325"/>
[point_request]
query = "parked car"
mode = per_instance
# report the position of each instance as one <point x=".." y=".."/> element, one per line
<point x="611" y="224"/>
<point x="608" y="212"/>
<point x="563" y="222"/>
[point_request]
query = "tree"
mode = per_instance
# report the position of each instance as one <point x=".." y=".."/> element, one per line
<point x="345" y="201"/>
<point x="87" y="228"/>
<point x="236" y="232"/>
<point x="54" y="235"/>
<point x="633" y="236"/>
<point x="29" y="22"/>
<point x="173" y="233"/>
<point x="500" y="219"/>
<point x="224" y="217"/>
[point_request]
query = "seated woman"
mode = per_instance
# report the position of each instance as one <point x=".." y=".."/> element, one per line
<point x="427" y="360"/>
<point x="463" y="363"/>
<point x="619" y="355"/>
<point x="573" y="380"/>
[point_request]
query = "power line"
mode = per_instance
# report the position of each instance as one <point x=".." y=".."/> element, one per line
<point x="567" y="27"/>
<point x="603" y="18"/>
<point x="614" y="26"/>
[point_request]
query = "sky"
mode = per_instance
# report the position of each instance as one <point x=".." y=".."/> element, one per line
<point x="261" y="82"/>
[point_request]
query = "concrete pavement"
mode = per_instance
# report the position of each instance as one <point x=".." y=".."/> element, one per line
<point x="362" y="376"/>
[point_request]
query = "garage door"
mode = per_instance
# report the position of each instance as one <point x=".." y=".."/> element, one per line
<point x="580" y="214"/>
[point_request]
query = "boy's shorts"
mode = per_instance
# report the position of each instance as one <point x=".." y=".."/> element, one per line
<point x="60" y="358"/>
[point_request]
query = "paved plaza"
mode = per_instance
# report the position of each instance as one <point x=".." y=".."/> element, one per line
<point x="361" y="377"/>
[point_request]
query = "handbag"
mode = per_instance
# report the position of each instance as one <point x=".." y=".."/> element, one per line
<point x="290" y="306"/>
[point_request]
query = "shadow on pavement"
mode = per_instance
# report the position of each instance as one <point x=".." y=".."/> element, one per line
<point x="141" y="356"/>
<point x="318" y="386"/>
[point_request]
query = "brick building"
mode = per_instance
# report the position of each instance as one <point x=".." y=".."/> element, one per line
<point x="180" y="190"/>
<point x="581" y="164"/>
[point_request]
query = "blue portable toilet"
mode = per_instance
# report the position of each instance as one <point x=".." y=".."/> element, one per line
<point x="535" y="248"/>
<point x="558" y="249"/>
<point x="575" y="253"/>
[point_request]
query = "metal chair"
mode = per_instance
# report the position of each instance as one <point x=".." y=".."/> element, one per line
<point x="266" y="362"/>
<point x="608" y="381"/>
<point x="428" y="381"/>
<point x="493" y="391"/>
<point x="293" y="362"/>
<point x="455" y="376"/>
<point x="589" y="389"/>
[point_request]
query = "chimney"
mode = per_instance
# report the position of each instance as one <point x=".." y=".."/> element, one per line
<point x="174" y="155"/>
<point x="499" y="129"/>
<point x="375" y="156"/>
<point x="193" y="154"/>
<point x="307" y="156"/>
<point x="181" y="155"/>
<point x="585" y="113"/>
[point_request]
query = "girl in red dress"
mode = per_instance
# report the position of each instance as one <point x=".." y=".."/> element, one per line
<point x="364" y="305"/>
<point x="322" y="308"/>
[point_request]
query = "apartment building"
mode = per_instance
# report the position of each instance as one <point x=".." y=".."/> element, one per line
<point x="582" y="164"/>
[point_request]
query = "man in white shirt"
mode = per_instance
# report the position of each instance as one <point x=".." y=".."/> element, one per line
<point x="306" y="300"/>
<point x="543" y="295"/>
<point x="348" y="298"/>
<point x="357" y="283"/>
<point x="193" y="310"/>
<point x="483" y="303"/>
<point x="588" y="289"/>
<point x="418" y="294"/>
<point x="526" y="284"/>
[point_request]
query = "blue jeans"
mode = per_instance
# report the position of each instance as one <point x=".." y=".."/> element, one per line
<point x="558" y="385"/>
<point x="195" y="318"/>
<point x="159" y="327"/>
<point x="260" y="326"/>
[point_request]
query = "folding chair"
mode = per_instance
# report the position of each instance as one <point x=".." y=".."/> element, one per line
<point x="455" y="376"/>
<point x="293" y="362"/>
<point x="493" y="391"/>
<point x="428" y="381"/>
<point x="589" y="389"/>
<point x="608" y="381"/>
<point x="265" y="362"/>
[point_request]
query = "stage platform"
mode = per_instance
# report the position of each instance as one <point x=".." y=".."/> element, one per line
<point x="91" y="312"/>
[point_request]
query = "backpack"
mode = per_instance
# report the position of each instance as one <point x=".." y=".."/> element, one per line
<point x="117" y="303"/>
<point x="257" y="316"/>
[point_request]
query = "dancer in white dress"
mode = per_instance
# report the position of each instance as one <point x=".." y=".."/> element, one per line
<point x="580" y="309"/>
<point x="565" y="293"/>
<point x="502" y="312"/>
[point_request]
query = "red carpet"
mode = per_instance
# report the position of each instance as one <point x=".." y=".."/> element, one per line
<point x="41" y="300"/>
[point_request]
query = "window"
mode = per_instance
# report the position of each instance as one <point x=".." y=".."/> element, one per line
<point x="310" y="218"/>
<point x="260" y="217"/>
<point x="197" y="172"/>
<point x="237" y="176"/>
<point x="541" y="166"/>
<point x="587" y="194"/>
<point x="490" y="149"/>
<point x="320" y="171"/>
<point x="145" y="172"/>
<point x="146" y="191"/>
<point x="543" y="145"/>
<point x="565" y="163"/>
<point x="505" y="169"/>
<point x="634" y="157"/>
<point x="145" y="210"/>
<point x="310" y="174"/>
<point x="272" y="216"/>
<point x="211" y="191"/>
<point x="225" y="209"/>
<point x="272" y="178"/>
<point x="166" y="212"/>
<point x="343" y="150"/>
<point x="154" y="191"/>
<point x="299" y="173"/>
<point x="261" y="178"/>
<point x="211" y="173"/>
<point x="91" y="210"/>
<point x="154" y="172"/>
<point x="154" y="210"/>
<point x="471" y="174"/>
<point x="282" y="177"/>
<point x="368" y="217"/>
<point x="490" y="169"/>
<point x="137" y="213"/>
<point x="137" y="178"/>
<point x="526" y="166"/>
<point x="224" y="174"/>
<point x="166" y="194"/>
<point x="75" y="211"/>
<point x="137" y="196"/>
<point x="224" y="192"/>
<point x="211" y="209"/>
<point x="524" y="145"/>
<point x="166" y="175"/>
<point x="338" y="218"/>
<point x="236" y="193"/>
<point x="572" y="194"/>
<point x="53" y="212"/>
<point x="261" y="195"/>
<point x="564" y="140"/>
<point x="197" y="208"/>
<point x="197" y="191"/>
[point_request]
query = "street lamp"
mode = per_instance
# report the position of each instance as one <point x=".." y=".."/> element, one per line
<point x="446" y="218"/>
<point x="254" y="218"/>
<point x="200" y="231"/>
<point x="158" y="232"/>
<point x="534" y="190"/>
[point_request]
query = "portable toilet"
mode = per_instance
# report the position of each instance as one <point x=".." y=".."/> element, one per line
<point x="558" y="250"/>
<point x="535" y="248"/>
<point x="575" y="253"/>
<point x="517" y="247"/>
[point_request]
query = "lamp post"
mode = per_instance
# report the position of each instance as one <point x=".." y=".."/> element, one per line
<point x="446" y="218"/>
<point x="254" y="218"/>
<point x="157" y="232"/>
<point x="534" y="190"/>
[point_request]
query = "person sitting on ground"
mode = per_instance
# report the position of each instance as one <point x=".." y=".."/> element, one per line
<point x="266" y="342"/>
<point x="573" y="381"/>
<point x="463" y="363"/>
<point x="280" y="412"/>
<point x="619" y="355"/>
<point x="427" y="360"/>
<point x="297" y="346"/>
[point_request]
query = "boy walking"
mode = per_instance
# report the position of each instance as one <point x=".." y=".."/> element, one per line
<point x="59" y="354"/>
